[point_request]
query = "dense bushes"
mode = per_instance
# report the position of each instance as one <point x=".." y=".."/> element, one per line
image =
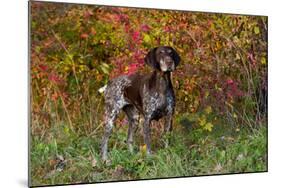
<point x="76" y="49"/>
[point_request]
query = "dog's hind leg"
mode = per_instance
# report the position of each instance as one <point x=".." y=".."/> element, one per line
<point x="133" y="116"/>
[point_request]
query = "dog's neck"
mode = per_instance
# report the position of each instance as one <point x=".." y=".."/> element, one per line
<point x="165" y="75"/>
<point x="161" y="80"/>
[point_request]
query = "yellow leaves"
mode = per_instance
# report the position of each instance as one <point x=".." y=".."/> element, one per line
<point x="208" y="127"/>
<point x="102" y="41"/>
<point x="256" y="30"/>
<point x="263" y="61"/>
<point x="170" y="42"/>
<point x="229" y="104"/>
<point x="37" y="49"/>
<point x="236" y="40"/>
<point x="237" y="56"/>
<point x="196" y="103"/>
<point x="68" y="60"/>
<point x="218" y="88"/>
<point x="126" y="69"/>
<point x="82" y="68"/>
<point x="66" y="130"/>
<point x="147" y="38"/>
<point x="105" y="68"/>
<point x="66" y="69"/>
<point x="93" y="31"/>
<point x="143" y="149"/>
<point x="180" y="50"/>
<point x="208" y="109"/>
<point x="207" y="93"/>
<point x="218" y="45"/>
<point x="203" y="121"/>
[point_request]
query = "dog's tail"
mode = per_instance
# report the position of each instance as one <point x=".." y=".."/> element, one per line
<point x="102" y="89"/>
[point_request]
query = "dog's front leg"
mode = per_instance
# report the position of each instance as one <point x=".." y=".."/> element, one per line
<point x="130" y="137"/>
<point x="168" y="128"/>
<point x="146" y="134"/>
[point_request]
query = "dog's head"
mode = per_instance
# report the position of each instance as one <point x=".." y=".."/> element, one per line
<point x="163" y="58"/>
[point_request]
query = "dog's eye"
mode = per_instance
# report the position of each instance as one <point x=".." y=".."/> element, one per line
<point x="169" y="51"/>
<point x="162" y="51"/>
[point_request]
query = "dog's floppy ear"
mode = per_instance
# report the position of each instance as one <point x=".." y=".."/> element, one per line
<point x="151" y="60"/>
<point x="176" y="57"/>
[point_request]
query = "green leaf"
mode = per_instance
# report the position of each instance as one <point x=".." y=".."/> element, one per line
<point x="105" y="68"/>
<point x="263" y="61"/>
<point x="66" y="130"/>
<point x="208" y="109"/>
<point x="37" y="49"/>
<point x="202" y="120"/>
<point x="146" y="38"/>
<point x="208" y="127"/>
<point x="256" y="30"/>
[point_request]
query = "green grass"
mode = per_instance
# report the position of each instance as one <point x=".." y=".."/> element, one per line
<point x="192" y="152"/>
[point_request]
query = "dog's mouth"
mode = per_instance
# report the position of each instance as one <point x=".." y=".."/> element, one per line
<point x="167" y="65"/>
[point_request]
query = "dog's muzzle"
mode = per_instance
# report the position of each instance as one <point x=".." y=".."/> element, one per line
<point x="167" y="64"/>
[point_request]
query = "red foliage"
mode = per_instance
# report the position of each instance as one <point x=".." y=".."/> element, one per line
<point x="133" y="67"/>
<point x="87" y="14"/>
<point x="213" y="49"/>
<point x="84" y="35"/>
<point x="136" y="36"/>
<point x="232" y="89"/>
<point x="123" y="18"/>
<point x="55" y="78"/>
<point x="145" y="28"/>
<point x="43" y="67"/>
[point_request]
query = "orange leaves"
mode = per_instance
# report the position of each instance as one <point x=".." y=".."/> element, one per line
<point x="93" y="31"/>
<point x="87" y="14"/>
<point x="55" y="96"/>
<point x="84" y="35"/>
<point x="48" y="42"/>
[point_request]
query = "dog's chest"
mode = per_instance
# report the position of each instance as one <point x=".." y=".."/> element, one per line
<point x="159" y="104"/>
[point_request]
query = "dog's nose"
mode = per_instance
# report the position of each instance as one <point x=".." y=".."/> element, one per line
<point x="168" y="60"/>
<point x="171" y="68"/>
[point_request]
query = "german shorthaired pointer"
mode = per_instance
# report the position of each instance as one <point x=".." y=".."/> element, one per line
<point x="151" y="95"/>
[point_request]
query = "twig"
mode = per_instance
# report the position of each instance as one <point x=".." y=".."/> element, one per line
<point x="66" y="111"/>
<point x="69" y="56"/>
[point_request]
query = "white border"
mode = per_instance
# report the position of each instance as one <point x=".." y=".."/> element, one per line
<point x="13" y="95"/>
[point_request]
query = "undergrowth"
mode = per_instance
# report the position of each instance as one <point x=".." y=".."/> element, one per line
<point x="64" y="157"/>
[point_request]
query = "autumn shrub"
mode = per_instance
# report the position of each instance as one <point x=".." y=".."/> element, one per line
<point x="75" y="49"/>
